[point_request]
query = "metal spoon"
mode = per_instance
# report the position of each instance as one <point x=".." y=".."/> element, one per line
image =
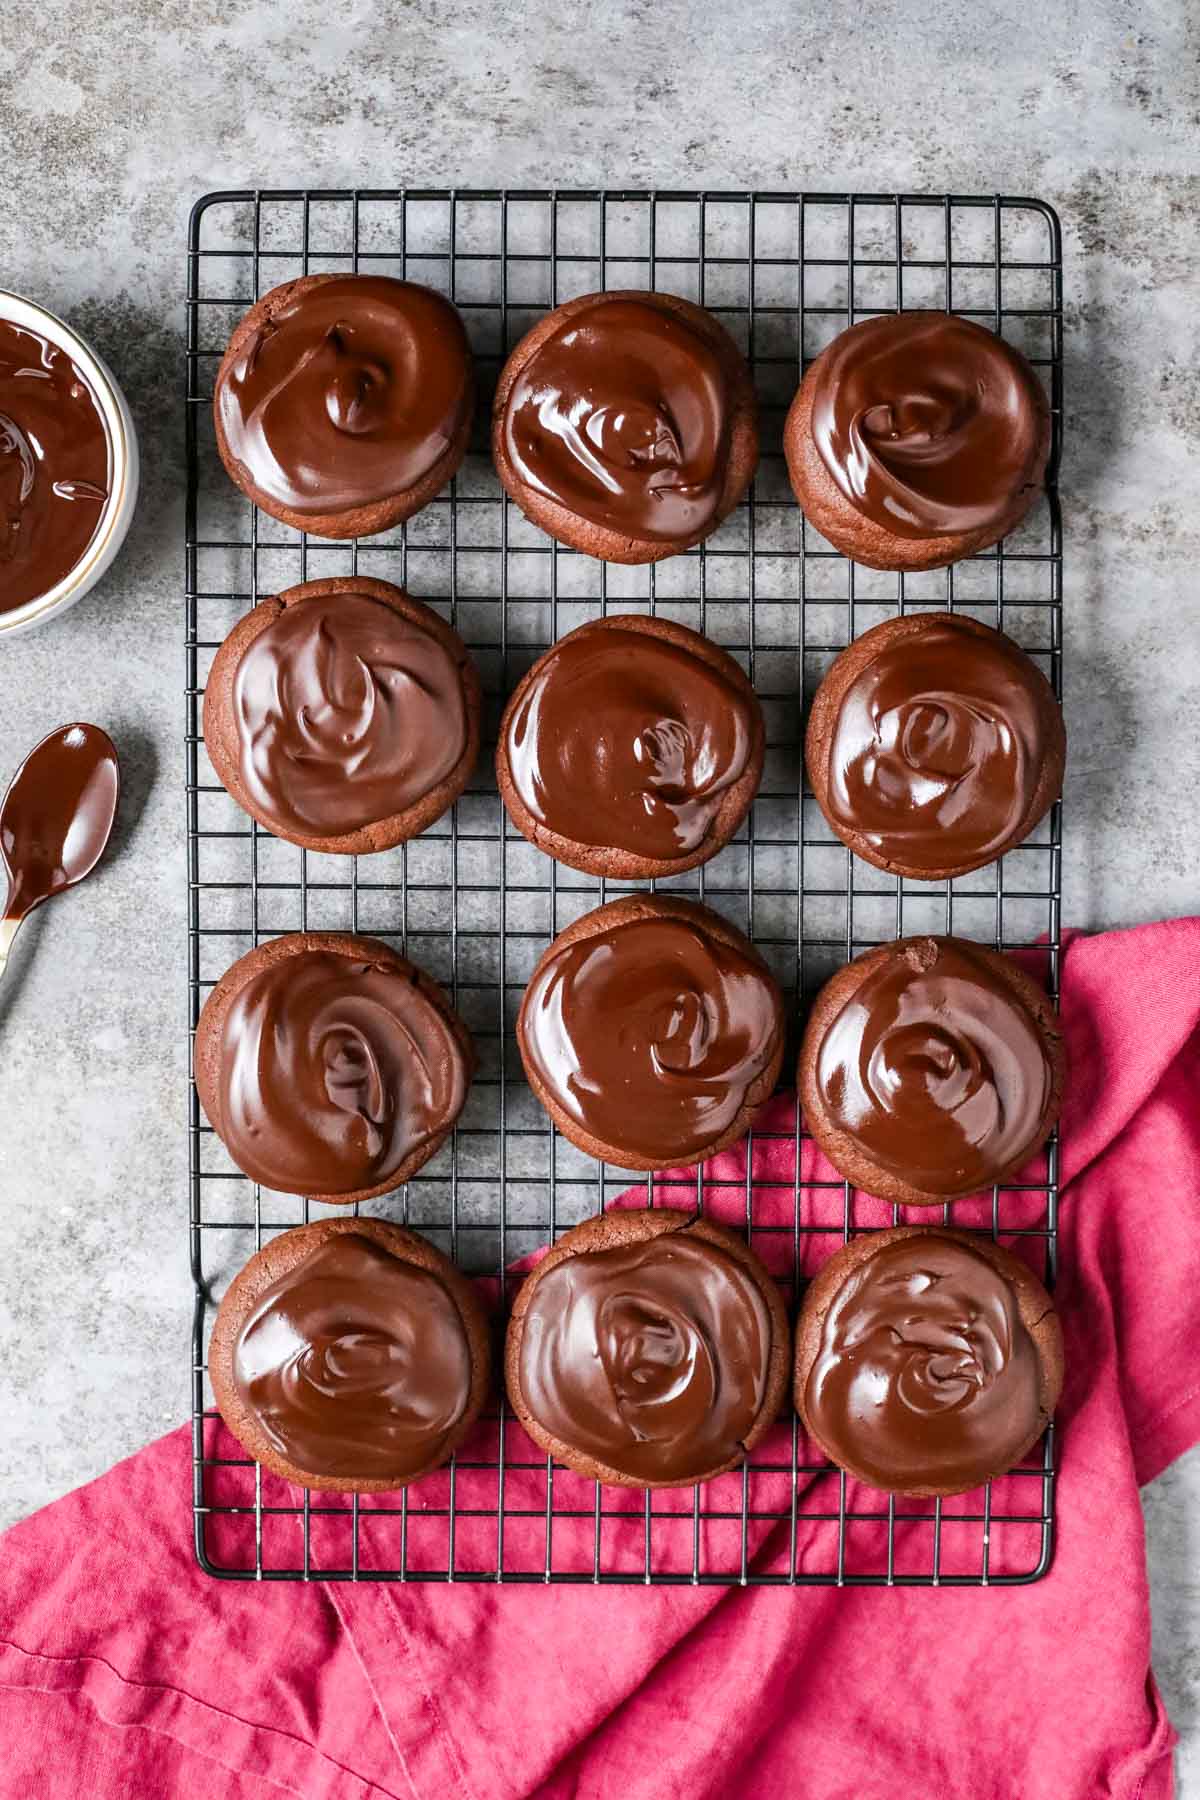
<point x="56" y="820"/>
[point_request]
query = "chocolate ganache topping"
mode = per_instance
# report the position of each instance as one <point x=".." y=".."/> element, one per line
<point x="355" y="1363"/>
<point x="622" y="416"/>
<point x="332" y="1072"/>
<point x="625" y="739"/>
<point x="346" y="713"/>
<point x="346" y="394"/>
<point x="937" y="749"/>
<point x="926" y="1376"/>
<point x="936" y="1069"/>
<point x="55" y="463"/>
<point x="929" y="424"/>
<point x="651" y="1358"/>
<point x="651" y="1034"/>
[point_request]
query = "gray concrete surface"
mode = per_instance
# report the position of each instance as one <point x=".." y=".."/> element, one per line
<point x="113" y="118"/>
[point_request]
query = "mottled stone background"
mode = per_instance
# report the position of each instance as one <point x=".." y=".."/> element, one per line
<point x="113" y="118"/>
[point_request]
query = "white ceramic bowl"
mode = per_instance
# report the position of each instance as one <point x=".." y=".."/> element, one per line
<point x="123" y="491"/>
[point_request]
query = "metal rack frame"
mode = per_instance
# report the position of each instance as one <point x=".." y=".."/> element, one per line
<point x="476" y="904"/>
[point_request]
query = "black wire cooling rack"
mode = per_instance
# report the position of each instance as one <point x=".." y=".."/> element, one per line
<point x="475" y="904"/>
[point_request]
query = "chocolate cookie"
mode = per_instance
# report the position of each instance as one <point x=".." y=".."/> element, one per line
<point x="651" y="1031"/>
<point x="917" y="439"/>
<point x="350" y="1355"/>
<point x="934" y="745"/>
<point x="343" y="403"/>
<point x="927" y="1360"/>
<point x="648" y="1349"/>
<point x="625" y="425"/>
<point x="633" y="748"/>
<point x="930" y="1068"/>
<point x="330" y="1066"/>
<point x="343" y="715"/>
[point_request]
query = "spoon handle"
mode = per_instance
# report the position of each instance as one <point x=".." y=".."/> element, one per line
<point x="8" y="931"/>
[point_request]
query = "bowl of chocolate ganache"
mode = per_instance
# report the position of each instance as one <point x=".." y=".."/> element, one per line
<point x="68" y="466"/>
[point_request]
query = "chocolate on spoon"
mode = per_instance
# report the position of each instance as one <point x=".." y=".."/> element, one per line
<point x="56" y="820"/>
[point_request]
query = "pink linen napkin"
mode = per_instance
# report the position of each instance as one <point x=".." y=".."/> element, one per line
<point x="125" y="1672"/>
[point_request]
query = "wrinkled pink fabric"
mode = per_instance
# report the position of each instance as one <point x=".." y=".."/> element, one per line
<point x="125" y="1672"/>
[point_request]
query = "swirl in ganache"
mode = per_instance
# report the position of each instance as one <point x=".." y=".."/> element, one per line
<point x="929" y="425"/>
<point x="346" y="713"/>
<point x="651" y="1034"/>
<point x="622" y="416"/>
<point x="627" y="740"/>
<point x="354" y="1362"/>
<point x="936" y="1069"/>
<point x="925" y="1371"/>
<point x="937" y="747"/>
<point x="650" y="1357"/>
<point x="332" y="1072"/>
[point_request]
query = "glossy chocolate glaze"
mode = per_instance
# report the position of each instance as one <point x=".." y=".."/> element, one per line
<point x="650" y="1034"/>
<point x="348" y="394"/>
<point x="650" y="1357"/>
<point x="935" y="1069"/>
<point x="57" y="816"/>
<point x="346" y="713"/>
<point x="926" y="1376"/>
<point x="355" y="1363"/>
<point x="929" y="424"/>
<point x="55" y="465"/>
<point x="332" y="1072"/>
<point x="938" y="747"/>
<point x="622" y="416"/>
<point x="624" y="739"/>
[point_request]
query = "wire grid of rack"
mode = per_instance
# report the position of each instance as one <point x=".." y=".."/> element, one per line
<point x="475" y="904"/>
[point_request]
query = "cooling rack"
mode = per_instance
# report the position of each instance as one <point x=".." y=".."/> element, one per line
<point x="475" y="904"/>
